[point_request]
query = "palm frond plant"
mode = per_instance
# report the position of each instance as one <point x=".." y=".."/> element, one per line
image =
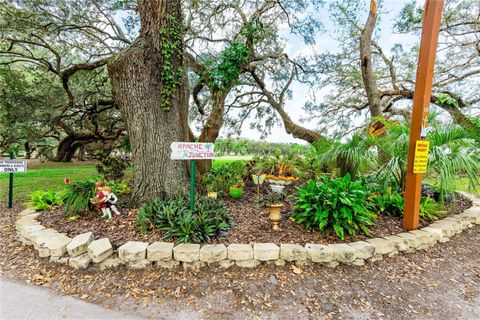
<point x="452" y="153"/>
<point x="353" y="157"/>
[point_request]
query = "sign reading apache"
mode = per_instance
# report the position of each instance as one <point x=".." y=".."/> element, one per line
<point x="192" y="150"/>
<point x="13" y="166"/>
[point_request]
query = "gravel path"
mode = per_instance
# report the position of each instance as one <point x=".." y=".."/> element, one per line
<point x="441" y="283"/>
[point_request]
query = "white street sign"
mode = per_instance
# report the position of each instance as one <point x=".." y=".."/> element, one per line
<point x="13" y="166"/>
<point x="192" y="150"/>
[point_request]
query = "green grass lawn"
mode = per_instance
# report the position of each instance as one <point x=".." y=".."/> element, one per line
<point x="461" y="184"/>
<point x="51" y="175"/>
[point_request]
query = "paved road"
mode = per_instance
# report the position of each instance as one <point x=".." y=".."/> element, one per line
<point x="20" y="301"/>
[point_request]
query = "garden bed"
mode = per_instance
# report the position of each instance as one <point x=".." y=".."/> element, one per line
<point x="251" y="225"/>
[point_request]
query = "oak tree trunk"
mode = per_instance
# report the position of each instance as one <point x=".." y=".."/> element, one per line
<point x="138" y="78"/>
<point x="70" y="144"/>
<point x="366" y="63"/>
<point x="211" y="129"/>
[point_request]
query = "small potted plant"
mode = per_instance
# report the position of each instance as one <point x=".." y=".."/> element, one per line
<point x="280" y="170"/>
<point x="274" y="202"/>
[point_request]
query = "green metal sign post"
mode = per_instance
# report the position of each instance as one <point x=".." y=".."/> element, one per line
<point x="191" y="151"/>
<point x="192" y="185"/>
<point x="10" y="185"/>
<point x="11" y="167"/>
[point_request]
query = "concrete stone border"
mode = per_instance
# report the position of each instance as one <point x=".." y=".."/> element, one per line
<point x="84" y="250"/>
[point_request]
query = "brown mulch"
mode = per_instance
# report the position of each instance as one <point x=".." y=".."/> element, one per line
<point x="251" y="224"/>
<point x="118" y="230"/>
<point x="440" y="283"/>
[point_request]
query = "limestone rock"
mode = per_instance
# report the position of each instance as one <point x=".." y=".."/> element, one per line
<point x="331" y="264"/>
<point x="186" y="252"/>
<point x="26" y="212"/>
<point x="382" y="246"/>
<point x="167" y="264"/>
<point x="227" y="263"/>
<point x="280" y="262"/>
<point x="80" y="262"/>
<point x="43" y="252"/>
<point x="79" y="244"/>
<point x="401" y="244"/>
<point x="139" y="264"/>
<point x="363" y="250"/>
<point x="247" y="263"/>
<point x="240" y="252"/>
<point x="293" y="252"/>
<point x="343" y="253"/>
<point x="358" y="262"/>
<point x="319" y="252"/>
<point x="57" y="245"/>
<point x="133" y="251"/>
<point x="266" y="251"/>
<point x="60" y="260"/>
<point x="41" y="236"/>
<point x="212" y="253"/>
<point x="426" y="239"/>
<point x="99" y="250"/>
<point x="110" y="262"/>
<point x="376" y="257"/>
<point x="196" y="265"/>
<point x="159" y="251"/>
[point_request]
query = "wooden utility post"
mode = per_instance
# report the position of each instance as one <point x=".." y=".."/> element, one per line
<point x="421" y="105"/>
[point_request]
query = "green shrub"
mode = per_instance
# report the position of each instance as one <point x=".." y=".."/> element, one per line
<point x="144" y="217"/>
<point x="176" y="221"/>
<point x="337" y="204"/>
<point x="214" y="181"/>
<point x="428" y="209"/>
<point x="390" y="203"/>
<point x="112" y="168"/>
<point x="78" y="194"/>
<point x="221" y="178"/>
<point x="44" y="200"/>
<point x="233" y="173"/>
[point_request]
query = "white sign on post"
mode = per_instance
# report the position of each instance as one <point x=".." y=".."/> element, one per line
<point x="192" y="150"/>
<point x="13" y="166"/>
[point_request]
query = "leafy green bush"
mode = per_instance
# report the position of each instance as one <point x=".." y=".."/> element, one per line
<point x="233" y="173"/>
<point x="428" y="209"/>
<point x="390" y="203"/>
<point x="214" y="181"/>
<point x="176" y="221"/>
<point x="337" y="204"/>
<point x="44" y="200"/>
<point x="112" y="168"/>
<point x="78" y="194"/>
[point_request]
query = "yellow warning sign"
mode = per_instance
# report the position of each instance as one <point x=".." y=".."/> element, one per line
<point x="420" y="161"/>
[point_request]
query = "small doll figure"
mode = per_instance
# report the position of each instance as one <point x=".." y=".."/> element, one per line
<point x="110" y="201"/>
<point x="100" y="200"/>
